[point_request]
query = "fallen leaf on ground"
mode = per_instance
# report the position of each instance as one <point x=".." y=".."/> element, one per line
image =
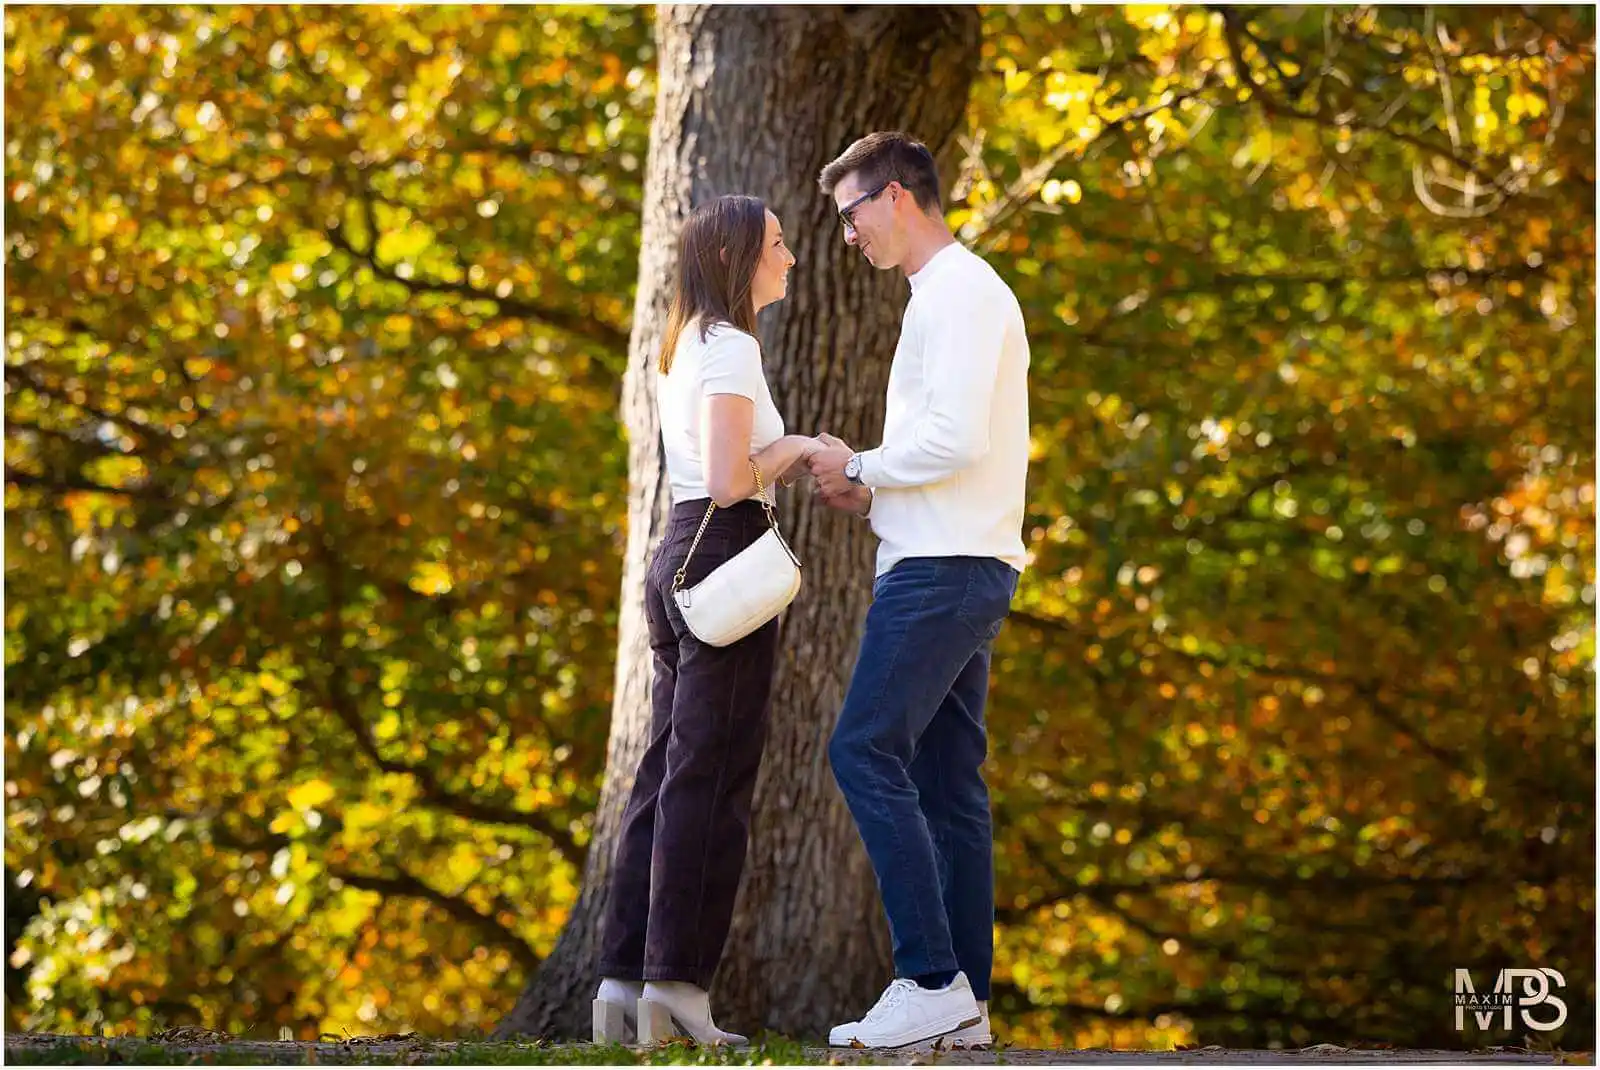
<point x="379" y="1038"/>
<point x="192" y="1035"/>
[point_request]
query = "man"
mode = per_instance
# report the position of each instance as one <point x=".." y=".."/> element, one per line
<point x="945" y="495"/>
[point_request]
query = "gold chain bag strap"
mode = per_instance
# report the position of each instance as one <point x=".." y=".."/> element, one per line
<point x="745" y="591"/>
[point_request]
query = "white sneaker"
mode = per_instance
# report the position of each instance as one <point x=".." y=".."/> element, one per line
<point x="973" y="1036"/>
<point x="907" y="1013"/>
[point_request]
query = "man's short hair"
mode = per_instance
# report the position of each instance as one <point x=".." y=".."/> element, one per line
<point x="885" y="156"/>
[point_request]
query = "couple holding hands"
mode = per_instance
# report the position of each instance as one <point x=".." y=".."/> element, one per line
<point x="944" y="494"/>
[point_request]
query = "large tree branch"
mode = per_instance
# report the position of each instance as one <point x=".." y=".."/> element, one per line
<point x="1095" y="333"/>
<point x="400" y="883"/>
<point x="606" y="164"/>
<point x="1033" y="178"/>
<point x="1234" y="29"/>
<point x="1013" y="997"/>
<point x="406" y="884"/>
<point x="21" y="376"/>
<point x="1338" y="280"/>
<point x="1366" y="689"/>
<point x="71" y="484"/>
<point x="74" y="323"/>
<point x="140" y="637"/>
<point x="1283" y="672"/>
<point x="76" y="440"/>
<point x="337" y="696"/>
<point x="614" y="340"/>
<point x="1316" y="884"/>
<point x="268" y="843"/>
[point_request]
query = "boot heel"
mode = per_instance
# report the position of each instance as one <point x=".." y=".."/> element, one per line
<point x="611" y="1023"/>
<point x="655" y="1023"/>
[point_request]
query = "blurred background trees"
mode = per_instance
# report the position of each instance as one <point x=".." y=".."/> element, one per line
<point x="317" y="488"/>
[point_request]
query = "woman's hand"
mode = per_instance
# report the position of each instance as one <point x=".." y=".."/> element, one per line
<point x="801" y="467"/>
<point x="827" y="465"/>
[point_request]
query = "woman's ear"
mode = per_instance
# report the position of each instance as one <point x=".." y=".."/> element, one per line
<point x="723" y="254"/>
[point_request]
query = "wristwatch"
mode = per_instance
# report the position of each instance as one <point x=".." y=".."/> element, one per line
<point x="852" y="469"/>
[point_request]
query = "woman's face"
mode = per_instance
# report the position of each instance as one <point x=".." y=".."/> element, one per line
<point x="772" y="271"/>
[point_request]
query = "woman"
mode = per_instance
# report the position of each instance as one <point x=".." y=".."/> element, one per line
<point x="682" y="845"/>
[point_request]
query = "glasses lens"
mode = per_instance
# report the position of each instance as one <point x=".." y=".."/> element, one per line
<point x="848" y="213"/>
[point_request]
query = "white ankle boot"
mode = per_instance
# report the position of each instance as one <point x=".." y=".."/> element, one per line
<point x="678" y="1009"/>
<point x="616" y="1011"/>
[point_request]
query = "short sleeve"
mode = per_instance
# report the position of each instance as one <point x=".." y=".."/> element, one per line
<point x="732" y="364"/>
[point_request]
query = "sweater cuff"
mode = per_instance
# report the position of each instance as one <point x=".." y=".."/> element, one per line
<point x="872" y="467"/>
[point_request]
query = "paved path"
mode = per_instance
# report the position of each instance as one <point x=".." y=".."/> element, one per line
<point x="187" y="1045"/>
<point x="1320" y="1054"/>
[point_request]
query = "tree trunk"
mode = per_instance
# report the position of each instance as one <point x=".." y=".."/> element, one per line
<point x="757" y="100"/>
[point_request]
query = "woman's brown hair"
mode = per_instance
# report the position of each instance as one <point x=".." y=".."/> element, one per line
<point x="718" y="253"/>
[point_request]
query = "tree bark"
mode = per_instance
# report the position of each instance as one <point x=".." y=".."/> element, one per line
<point x="757" y="100"/>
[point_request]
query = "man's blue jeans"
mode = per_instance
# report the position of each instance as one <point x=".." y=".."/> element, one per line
<point x="908" y="753"/>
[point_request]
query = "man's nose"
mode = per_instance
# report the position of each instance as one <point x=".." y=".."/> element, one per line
<point x="849" y="234"/>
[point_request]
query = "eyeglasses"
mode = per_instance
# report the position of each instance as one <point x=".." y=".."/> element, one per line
<point x="847" y="213"/>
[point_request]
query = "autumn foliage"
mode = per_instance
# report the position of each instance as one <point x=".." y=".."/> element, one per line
<point x="315" y="489"/>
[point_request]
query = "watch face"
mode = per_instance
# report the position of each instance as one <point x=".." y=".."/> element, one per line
<point x="852" y="467"/>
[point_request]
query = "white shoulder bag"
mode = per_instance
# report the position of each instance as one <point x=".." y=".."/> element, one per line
<point x="745" y="591"/>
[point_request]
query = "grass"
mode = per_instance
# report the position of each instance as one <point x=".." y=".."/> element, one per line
<point x="200" y="1047"/>
<point x="80" y="1051"/>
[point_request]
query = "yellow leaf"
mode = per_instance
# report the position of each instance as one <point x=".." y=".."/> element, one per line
<point x="310" y="793"/>
<point x="365" y="815"/>
<point x="431" y="578"/>
<point x="463" y="864"/>
<point x="272" y="685"/>
<point x="507" y="44"/>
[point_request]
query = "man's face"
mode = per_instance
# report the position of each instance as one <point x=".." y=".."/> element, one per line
<point x="871" y="222"/>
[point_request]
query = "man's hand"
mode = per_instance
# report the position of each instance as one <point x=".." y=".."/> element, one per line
<point x="800" y="467"/>
<point x="794" y="473"/>
<point x="827" y="467"/>
<point x="857" y="500"/>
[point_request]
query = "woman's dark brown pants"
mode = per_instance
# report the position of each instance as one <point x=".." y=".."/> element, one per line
<point x="682" y="846"/>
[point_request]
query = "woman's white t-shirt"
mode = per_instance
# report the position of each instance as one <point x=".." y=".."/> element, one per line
<point x="728" y="361"/>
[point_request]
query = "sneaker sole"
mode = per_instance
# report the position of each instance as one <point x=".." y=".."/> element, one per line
<point x="940" y="1030"/>
<point x="927" y="1047"/>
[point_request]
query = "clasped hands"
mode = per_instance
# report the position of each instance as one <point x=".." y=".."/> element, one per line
<point x="824" y="459"/>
